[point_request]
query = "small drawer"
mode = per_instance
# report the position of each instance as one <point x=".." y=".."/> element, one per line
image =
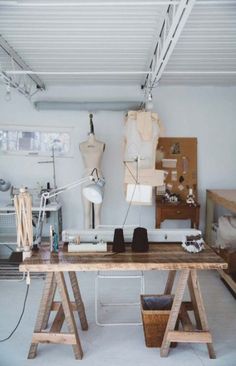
<point x="177" y="213"/>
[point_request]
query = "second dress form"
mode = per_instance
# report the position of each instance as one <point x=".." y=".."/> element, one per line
<point x="92" y="153"/>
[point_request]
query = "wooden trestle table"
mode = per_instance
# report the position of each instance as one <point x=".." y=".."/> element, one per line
<point x="161" y="256"/>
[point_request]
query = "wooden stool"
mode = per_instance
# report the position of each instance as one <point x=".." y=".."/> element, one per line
<point x="64" y="312"/>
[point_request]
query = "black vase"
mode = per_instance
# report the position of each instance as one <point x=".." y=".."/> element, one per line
<point x="118" y="241"/>
<point x="140" y="240"/>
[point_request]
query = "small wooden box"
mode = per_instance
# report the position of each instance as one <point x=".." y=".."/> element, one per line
<point x="155" y="314"/>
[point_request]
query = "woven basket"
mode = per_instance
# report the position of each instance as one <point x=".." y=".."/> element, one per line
<point x="155" y="314"/>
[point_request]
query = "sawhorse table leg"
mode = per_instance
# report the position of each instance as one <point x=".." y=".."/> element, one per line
<point x="180" y="308"/>
<point x="78" y="300"/>
<point x="64" y="310"/>
<point x="170" y="282"/>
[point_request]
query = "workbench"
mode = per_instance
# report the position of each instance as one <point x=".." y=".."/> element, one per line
<point x="225" y="198"/>
<point x="161" y="256"/>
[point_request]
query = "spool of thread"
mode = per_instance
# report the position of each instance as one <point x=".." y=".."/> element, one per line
<point x="51" y="238"/>
<point x="118" y="241"/>
<point x="140" y="240"/>
<point x="54" y="243"/>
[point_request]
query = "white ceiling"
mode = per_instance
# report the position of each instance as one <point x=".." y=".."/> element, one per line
<point x="206" y="50"/>
<point x="107" y="36"/>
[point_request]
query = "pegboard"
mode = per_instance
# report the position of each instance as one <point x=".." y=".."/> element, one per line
<point x="178" y="157"/>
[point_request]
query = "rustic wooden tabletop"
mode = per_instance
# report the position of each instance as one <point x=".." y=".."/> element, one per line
<point x="161" y="256"/>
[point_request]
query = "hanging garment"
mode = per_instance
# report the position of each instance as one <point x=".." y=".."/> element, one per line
<point x="142" y="130"/>
<point x="140" y="141"/>
<point x="145" y="125"/>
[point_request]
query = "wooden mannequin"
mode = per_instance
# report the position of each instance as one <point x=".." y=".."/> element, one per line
<point x="92" y="153"/>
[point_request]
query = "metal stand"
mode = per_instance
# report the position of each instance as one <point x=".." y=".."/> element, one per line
<point x="99" y="303"/>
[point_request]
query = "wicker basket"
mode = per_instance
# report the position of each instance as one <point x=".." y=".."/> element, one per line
<point x="155" y="314"/>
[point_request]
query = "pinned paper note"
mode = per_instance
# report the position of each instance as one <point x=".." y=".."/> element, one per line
<point x="181" y="187"/>
<point x="139" y="194"/>
<point x="160" y="191"/>
<point x="169" y="163"/>
<point x="174" y="175"/>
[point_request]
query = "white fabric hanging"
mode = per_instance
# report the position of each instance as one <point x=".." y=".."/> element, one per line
<point x="226" y="234"/>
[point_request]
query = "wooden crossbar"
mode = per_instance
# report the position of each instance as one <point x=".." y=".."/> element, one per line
<point x="56" y="305"/>
<point x="189" y="337"/>
<point x="64" y="338"/>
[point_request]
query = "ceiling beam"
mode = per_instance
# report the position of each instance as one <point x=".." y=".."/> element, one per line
<point x="173" y="25"/>
<point x="18" y="60"/>
<point x="204" y="72"/>
<point x="30" y="72"/>
<point x="22" y="3"/>
<point x="87" y="3"/>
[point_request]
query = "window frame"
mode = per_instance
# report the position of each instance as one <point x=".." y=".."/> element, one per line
<point x="40" y="129"/>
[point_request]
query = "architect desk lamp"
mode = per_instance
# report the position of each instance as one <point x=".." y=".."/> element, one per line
<point x="93" y="192"/>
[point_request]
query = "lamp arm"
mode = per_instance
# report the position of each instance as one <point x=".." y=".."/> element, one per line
<point x="55" y="192"/>
<point x="47" y="195"/>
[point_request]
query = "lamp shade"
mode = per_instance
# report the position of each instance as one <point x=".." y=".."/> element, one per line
<point x="4" y="185"/>
<point x="94" y="193"/>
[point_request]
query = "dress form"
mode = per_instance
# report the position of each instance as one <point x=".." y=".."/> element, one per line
<point x="92" y="153"/>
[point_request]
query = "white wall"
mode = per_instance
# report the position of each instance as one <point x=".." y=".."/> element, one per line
<point x="206" y="113"/>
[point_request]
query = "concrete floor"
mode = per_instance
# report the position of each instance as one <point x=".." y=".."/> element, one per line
<point x="116" y="346"/>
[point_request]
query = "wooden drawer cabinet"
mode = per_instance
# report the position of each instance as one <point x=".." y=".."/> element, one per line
<point x="177" y="211"/>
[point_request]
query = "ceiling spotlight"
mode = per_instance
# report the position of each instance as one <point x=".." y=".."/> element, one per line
<point x="149" y="102"/>
<point x="8" y="93"/>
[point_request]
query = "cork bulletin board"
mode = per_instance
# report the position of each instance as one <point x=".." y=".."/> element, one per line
<point x="178" y="157"/>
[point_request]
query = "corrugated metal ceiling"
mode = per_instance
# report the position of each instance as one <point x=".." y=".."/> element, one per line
<point x="84" y="38"/>
<point x="119" y="36"/>
<point x="206" y="50"/>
